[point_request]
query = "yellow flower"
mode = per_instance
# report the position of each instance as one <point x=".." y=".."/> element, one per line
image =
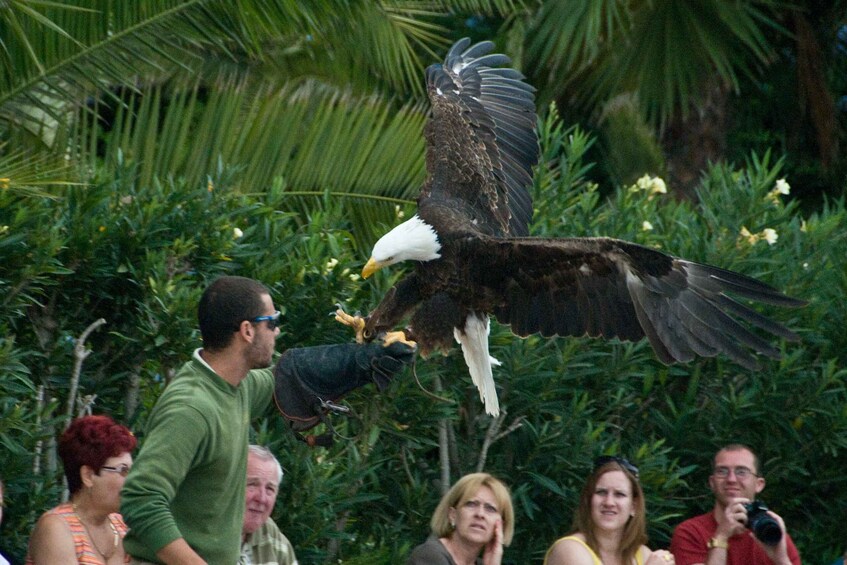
<point x="751" y="238"/>
<point x="210" y="186"/>
<point x="237" y="233"/>
<point x="768" y="234"/>
<point x="657" y="186"/>
<point x="646" y="226"/>
<point x="644" y="182"/>
<point x="330" y="265"/>
<point x="102" y="228"/>
<point x="653" y="185"/>
<point x="4" y="183"/>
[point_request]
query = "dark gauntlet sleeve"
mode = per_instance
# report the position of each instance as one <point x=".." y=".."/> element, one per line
<point x="309" y="377"/>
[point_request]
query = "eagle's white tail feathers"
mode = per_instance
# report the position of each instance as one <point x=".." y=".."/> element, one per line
<point x="474" y="341"/>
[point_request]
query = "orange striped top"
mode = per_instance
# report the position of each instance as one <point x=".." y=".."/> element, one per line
<point x="86" y="554"/>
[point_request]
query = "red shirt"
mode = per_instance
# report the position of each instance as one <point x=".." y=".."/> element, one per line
<point x="688" y="544"/>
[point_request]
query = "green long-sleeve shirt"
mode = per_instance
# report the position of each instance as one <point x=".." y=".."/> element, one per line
<point x="189" y="478"/>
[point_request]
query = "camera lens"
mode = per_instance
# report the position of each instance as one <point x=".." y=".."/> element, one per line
<point x="767" y="530"/>
<point x="764" y="527"/>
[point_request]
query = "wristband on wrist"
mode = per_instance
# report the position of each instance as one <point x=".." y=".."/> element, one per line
<point x="715" y="542"/>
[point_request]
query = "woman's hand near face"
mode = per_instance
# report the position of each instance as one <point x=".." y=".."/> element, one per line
<point x="660" y="557"/>
<point x="493" y="553"/>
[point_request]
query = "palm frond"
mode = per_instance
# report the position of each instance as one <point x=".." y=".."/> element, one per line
<point x="673" y="49"/>
<point x="24" y="174"/>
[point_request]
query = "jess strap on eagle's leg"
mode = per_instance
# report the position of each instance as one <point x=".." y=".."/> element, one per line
<point x="309" y="380"/>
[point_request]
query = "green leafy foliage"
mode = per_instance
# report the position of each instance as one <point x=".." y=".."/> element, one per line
<point x="138" y="254"/>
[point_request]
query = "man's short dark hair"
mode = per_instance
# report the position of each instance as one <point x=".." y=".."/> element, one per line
<point x="226" y="303"/>
<point x="740" y="447"/>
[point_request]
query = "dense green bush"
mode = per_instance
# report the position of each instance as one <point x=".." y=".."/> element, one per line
<point x="139" y="255"/>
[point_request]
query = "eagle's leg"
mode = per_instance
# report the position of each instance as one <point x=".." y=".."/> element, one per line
<point x="356" y="322"/>
<point x="359" y="325"/>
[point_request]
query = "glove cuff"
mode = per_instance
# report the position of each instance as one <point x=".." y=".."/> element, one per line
<point x="294" y="400"/>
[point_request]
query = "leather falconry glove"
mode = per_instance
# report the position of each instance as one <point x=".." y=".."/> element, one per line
<point x="309" y="380"/>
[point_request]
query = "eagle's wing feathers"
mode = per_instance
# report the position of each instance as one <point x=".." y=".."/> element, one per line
<point x="603" y="287"/>
<point x="481" y="144"/>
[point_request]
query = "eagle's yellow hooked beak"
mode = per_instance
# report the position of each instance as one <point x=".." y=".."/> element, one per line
<point x="370" y="268"/>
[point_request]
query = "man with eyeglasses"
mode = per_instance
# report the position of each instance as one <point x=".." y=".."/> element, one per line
<point x="184" y="501"/>
<point x="721" y="537"/>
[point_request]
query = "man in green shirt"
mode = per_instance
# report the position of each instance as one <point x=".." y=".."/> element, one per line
<point x="184" y="499"/>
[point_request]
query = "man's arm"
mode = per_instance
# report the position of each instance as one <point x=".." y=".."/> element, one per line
<point x="691" y="539"/>
<point x="688" y="544"/>
<point x="178" y="552"/>
<point x="306" y="377"/>
<point x="164" y="460"/>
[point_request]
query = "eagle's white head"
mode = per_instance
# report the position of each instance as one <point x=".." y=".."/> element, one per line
<point x="413" y="240"/>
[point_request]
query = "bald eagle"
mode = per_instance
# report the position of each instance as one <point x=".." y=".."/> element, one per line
<point x="473" y="257"/>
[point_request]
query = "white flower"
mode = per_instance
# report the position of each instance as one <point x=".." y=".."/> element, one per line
<point x="658" y="186"/>
<point x="237" y="233"/>
<point x="644" y="182"/>
<point x="782" y="186"/>
<point x="770" y="236"/>
<point x="646" y="226"/>
<point x="398" y="212"/>
<point x="330" y="265"/>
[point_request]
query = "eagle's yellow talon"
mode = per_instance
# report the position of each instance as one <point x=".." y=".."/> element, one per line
<point x="391" y="337"/>
<point x="355" y="322"/>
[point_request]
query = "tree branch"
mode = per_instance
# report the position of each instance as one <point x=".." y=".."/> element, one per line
<point x="80" y="353"/>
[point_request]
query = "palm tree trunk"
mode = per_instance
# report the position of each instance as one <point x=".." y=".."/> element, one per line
<point x="694" y="140"/>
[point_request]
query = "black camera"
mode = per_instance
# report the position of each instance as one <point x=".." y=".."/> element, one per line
<point x="762" y="524"/>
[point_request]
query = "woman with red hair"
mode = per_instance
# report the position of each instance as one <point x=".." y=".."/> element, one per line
<point x="87" y="530"/>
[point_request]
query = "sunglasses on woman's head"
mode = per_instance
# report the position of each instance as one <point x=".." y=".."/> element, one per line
<point x="603" y="459"/>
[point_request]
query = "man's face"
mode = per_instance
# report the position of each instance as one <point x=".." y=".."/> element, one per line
<point x="262" y="488"/>
<point x="725" y="480"/>
<point x="262" y="348"/>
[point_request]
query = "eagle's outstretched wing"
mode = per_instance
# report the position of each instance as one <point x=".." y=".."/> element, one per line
<point x="603" y="287"/>
<point x="481" y="144"/>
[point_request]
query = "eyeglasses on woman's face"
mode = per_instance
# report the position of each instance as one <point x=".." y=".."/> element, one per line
<point x="473" y="505"/>
<point x="122" y="470"/>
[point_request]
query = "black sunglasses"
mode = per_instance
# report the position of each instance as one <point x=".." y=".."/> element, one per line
<point x="603" y="459"/>
<point x="272" y="320"/>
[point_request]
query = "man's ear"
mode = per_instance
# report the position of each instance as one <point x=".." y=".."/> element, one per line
<point x="760" y="484"/>
<point x="246" y="330"/>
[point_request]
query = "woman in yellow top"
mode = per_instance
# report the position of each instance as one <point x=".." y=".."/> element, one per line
<point x="610" y="522"/>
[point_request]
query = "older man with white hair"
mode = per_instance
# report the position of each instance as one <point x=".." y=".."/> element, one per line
<point x="261" y="541"/>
